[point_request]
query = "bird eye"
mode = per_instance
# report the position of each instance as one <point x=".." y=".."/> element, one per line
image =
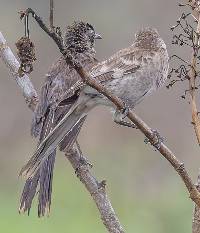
<point x="90" y="26"/>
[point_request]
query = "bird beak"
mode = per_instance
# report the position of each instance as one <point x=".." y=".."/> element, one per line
<point x="97" y="36"/>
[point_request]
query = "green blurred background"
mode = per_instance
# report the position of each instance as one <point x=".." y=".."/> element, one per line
<point x="146" y="193"/>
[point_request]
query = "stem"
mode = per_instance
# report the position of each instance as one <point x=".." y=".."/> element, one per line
<point x="51" y="16"/>
<point x="192" y="83"/>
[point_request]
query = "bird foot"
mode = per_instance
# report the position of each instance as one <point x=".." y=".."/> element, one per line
<point x="119" y="116"/>
<point x="157" y="139"/>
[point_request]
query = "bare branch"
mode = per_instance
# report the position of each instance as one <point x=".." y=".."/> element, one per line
<point x="96" y="190"/>
<point x="191" y="73"/>
<point x="51" y="18"/>
<point x="196" y="216"/>
<point x="195" y="117"/>
<point x="192" y="84"/>
<point x="56" y="37"/>
<point x="23" y="82"/>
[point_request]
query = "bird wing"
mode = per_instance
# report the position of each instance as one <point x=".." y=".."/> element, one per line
<point x="124" y="62"/>
<point x="141" y="68"/>
<point x="72" y="119"/>
<point x="54" y="89"/>
<point x="52" y="92"/>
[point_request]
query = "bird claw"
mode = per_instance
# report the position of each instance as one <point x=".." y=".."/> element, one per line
<point x="124" y="111"/>
<point x="156" y="138"/>
<point x="120" y="114"/>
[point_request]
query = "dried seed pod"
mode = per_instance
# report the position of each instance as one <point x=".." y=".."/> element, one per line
<point x="26" y="54"/>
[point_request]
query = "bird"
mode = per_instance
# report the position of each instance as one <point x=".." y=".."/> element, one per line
<point x="131" y="74"/>
<point x="61" y="78"/>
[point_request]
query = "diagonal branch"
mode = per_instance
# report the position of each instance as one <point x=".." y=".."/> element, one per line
<point x="95" y="188"/>
<point x="142" y="126"/>
<point x="97" y="191"/>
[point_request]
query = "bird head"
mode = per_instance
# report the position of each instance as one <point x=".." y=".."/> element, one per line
<point x="80" y="37"/>
<point x="147" y="38"/>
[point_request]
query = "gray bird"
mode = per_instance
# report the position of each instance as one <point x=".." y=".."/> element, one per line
<point x="80" y="37"/>
<point x="131" y="74"/>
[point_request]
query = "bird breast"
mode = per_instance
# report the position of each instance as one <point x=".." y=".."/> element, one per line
<point x="131" y="88"/>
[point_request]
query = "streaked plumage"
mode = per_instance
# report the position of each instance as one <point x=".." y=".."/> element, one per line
<point x="61" y="79"/>
<point x="131" y="74"/>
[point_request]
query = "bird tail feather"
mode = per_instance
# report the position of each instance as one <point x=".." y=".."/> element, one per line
<point x="49" y="144"/>
<point x="44" y="177"/>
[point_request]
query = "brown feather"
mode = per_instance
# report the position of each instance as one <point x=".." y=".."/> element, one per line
<point x="47" y="114"/>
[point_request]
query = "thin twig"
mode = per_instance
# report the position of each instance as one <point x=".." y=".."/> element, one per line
<point x="57" y="39"/>
<point x="97" y="191"/>
<point x="51" y="16"/>
<point x="142" y="126"/>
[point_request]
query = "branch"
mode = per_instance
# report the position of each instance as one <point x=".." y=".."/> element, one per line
<point x="142" y="126"/>
<point x="23" y="82"/>
<point x="195" y="117"/>
<point x="192" y="84"/>
<point x="51" y="14"/>
<point x="196" y="215"/>
<point x="96" y="190"/>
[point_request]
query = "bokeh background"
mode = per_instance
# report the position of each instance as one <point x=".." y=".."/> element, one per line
<point x="145" y="191"/>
